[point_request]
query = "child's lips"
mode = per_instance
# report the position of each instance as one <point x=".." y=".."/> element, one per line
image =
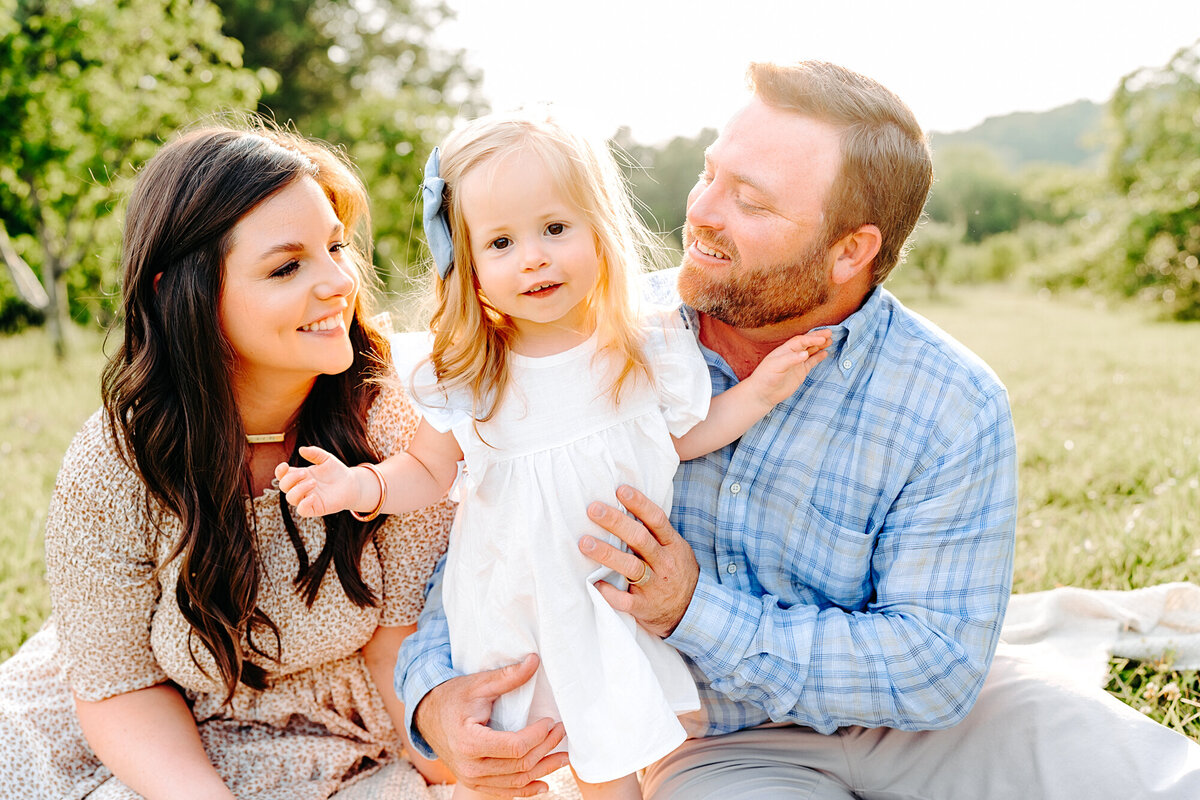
<point x="541" y="290"/>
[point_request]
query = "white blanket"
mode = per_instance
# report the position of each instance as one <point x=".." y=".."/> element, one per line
<point x="1078" y="630"/>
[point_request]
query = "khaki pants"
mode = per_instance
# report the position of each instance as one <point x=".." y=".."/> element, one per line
<point x="1033" y="735"/>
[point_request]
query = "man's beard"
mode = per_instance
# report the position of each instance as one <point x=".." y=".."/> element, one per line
<point x="759" y="296"/>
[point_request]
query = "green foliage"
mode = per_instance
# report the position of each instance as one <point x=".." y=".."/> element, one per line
<point x="1154" y="165"/>
<point x="661" y="177"/>
<point x="1070" y="134"/>
<point x="928" y="254"/>
<point x="42" y="403"/>
<point x="86" y="91"/>
<point x="1158" y="692"/>
<point x="974" y="191"/>
<point x="363" y="76"/>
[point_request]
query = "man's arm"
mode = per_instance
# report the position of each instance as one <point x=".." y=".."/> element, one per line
<point x="914" y="658"/>
<point x="446" y="713"/>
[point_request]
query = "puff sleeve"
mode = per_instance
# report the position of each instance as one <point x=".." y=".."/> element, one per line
<point x="680" y="372"/>
<point x="101" y="561"/>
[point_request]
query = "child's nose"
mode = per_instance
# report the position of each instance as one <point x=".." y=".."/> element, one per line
<point x="534" y="256"/>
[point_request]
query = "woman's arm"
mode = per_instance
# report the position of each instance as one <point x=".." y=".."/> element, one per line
<point x="149" y="740"/>
<point x="380" y="656"/>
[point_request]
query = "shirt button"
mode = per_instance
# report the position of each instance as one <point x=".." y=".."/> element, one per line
<point x="735" y="488"/>
<point x="732" y="568"/>
<point x="847" y="364"/>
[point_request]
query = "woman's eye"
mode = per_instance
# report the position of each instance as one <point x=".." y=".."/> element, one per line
<point x="337" y="247"/>
<point x="286" y="269"/>
<point x="555" y="228"/>
<point x="502" y="243"/>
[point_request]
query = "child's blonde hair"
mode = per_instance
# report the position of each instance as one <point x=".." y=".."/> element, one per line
<point x="471" y="337"/>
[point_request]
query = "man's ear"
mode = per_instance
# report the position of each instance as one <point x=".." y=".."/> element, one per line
<point x="854" y="253"/>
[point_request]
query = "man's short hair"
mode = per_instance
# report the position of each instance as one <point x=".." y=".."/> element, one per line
<point x="886" y="168"/>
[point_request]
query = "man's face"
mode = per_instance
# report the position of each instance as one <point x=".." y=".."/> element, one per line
<point x="754" y="253"/>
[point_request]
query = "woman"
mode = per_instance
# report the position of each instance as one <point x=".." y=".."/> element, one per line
<point x="206" y="642"/>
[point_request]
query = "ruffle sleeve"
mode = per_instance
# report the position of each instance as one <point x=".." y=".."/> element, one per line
<point x="441" y="408"/>
<point x="680" y="372"/>
<point x="100" y="565"/>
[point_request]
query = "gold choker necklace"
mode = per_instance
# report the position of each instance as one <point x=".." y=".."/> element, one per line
<point x="264" y="438"/>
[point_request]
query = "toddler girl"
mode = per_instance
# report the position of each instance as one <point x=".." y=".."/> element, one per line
<point x="551" y="389"/>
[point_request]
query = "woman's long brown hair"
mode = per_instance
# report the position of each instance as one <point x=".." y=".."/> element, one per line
<point x="168" y="394"/>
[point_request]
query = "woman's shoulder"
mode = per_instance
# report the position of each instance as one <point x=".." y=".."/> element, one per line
<point x="94" y="459"/>
<point x="99" y="501"/>
<point x="391" y="420"/>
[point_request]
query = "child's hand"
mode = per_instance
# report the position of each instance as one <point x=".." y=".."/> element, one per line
<point x="783" y="370"/>
<point x="328" y="486"/>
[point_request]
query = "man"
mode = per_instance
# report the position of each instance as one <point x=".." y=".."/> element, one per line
<point x="840" y="574"/>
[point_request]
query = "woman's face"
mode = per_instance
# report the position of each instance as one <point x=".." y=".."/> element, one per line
<point x="289" y="291"/>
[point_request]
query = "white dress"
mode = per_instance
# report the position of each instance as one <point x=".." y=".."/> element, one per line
<point x="515" y="580"/>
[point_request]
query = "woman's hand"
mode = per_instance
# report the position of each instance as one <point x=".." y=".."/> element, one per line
<point x="661" y="568"/>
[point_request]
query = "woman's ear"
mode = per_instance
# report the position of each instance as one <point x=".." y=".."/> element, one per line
<point x="855" y="252"/>
<point x="156" y="279"/>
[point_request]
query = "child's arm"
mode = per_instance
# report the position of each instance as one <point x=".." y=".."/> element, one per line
<point x="733" y="411"/>
<point x="419" y="476"/>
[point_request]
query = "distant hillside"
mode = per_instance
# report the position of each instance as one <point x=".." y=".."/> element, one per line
<point x="1069" y="134"/>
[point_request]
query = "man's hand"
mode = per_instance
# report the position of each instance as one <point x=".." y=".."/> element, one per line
<point x="662" y="568"/>
<point x="453" y="719"/>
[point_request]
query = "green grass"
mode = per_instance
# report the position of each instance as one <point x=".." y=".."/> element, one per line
<point x="1105" y="405"/>
<point x="42" y="404"/>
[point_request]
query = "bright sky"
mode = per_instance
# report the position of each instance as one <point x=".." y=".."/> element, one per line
<point x="673" y="67"/>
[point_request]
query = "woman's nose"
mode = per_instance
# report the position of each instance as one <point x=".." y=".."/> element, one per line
<point x="338" y="278"/>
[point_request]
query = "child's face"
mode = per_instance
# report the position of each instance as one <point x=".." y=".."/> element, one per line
<point x="533" y="249"/>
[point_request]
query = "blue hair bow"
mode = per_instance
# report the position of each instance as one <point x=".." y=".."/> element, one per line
<point x="434" y="216"/>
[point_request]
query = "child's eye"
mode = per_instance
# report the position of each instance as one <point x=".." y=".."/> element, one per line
<point x="501" y="243"/>
<point x="555" y="228"/>
<point x="286" y="270"/>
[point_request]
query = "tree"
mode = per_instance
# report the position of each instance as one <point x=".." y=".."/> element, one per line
<point x="361" y="73"/>
<point x="1154" y="164"/>
<point x="88" y="89"/>
<point x="661" y="177"/>
<point x="975" y="191"/>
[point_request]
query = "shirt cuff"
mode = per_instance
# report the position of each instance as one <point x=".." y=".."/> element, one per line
<point x="425" y="672"/>
<point x="717" y="628"/>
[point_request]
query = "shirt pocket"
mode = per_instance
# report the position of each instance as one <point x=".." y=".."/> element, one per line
<point x="819" y="562"/>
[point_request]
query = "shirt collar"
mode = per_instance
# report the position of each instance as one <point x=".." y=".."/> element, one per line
<point x="852" y="337"/>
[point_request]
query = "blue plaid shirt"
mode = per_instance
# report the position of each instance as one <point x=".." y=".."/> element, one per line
<point x="855" y="545"/>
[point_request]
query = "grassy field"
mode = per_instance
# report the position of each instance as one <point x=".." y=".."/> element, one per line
<point x="1105" y="403"/>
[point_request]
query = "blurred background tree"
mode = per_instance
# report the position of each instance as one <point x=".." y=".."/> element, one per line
<point x="661" y="177"/>
<point x="86" y="89"/>
<point x="362" y="74"/>
<point x="1155" y="166"/>
<point x="1096" y="196"/>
